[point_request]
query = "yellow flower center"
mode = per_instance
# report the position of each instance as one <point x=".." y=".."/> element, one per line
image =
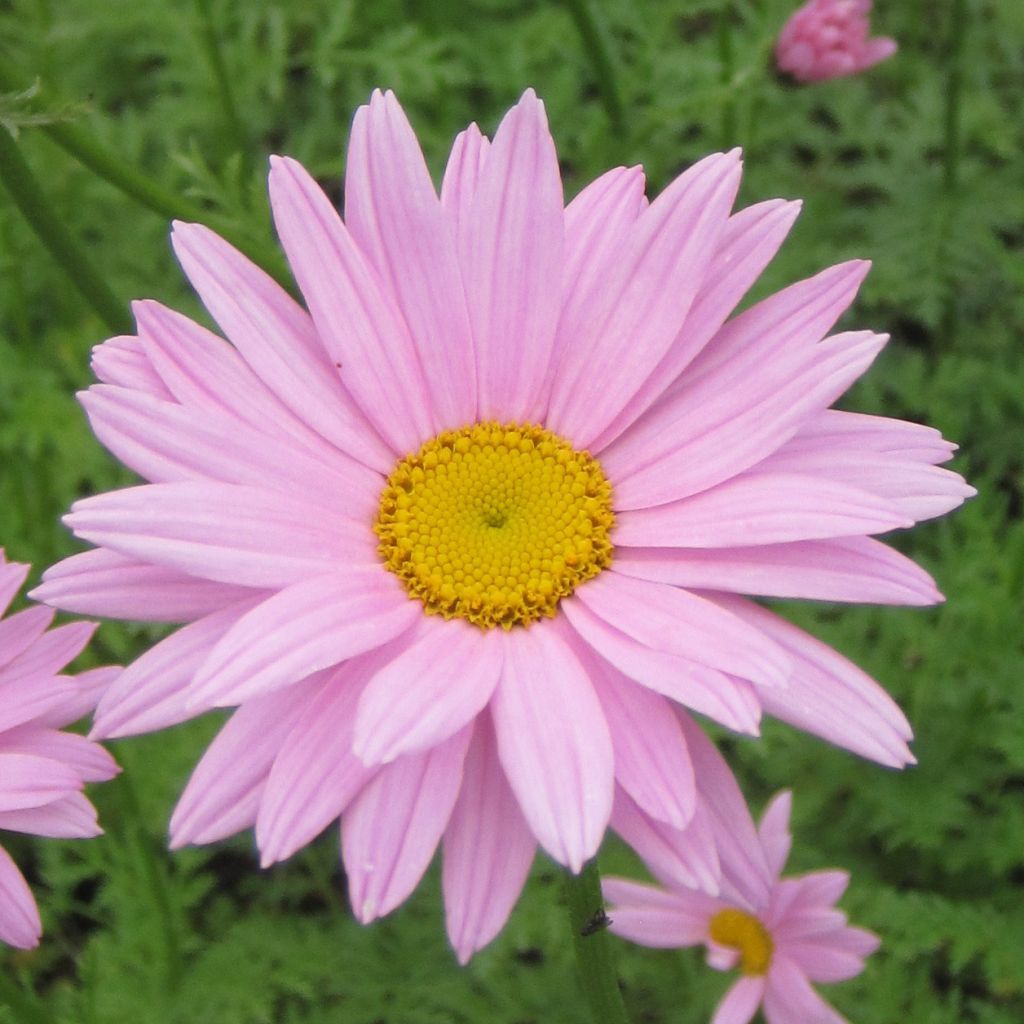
<point x="495" y="523"/>
<point x="743" y="932"/>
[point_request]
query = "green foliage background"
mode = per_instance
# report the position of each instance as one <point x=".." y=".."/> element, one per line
<point x="134" y="934"/>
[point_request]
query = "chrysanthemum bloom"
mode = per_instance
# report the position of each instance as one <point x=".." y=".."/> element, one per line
<point x="42" y="770"/>
<point x="829" y="39"/>
<point x="454" y="539"/>
<point x="780" y="933"/>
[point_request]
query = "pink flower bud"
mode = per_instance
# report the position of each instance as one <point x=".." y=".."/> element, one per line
<point x="829" y="39"/>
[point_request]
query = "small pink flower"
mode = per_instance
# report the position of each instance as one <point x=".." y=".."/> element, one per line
<point x="455" y="536"/>
<point x="829" y="39"/>
<point x="781" y="933"/>
<point x="42" y="770"/>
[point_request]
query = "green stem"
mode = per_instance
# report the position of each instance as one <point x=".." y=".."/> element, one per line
<point x="20" y="182"/>
<point x="215" y="55"/>
<point x="116" y="171"/>
<point x="954" y="91"/>
<point x="22" y="1004"/>
<point x="155" y="877"/>
<point x="951" y="155"/>
<point x="593" y="950"/>
<point x="727" y="61"/>
<point x="598" y="45"/>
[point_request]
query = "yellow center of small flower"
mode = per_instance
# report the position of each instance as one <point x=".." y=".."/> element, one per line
<point x="743" y="932"/>
<point x="495" y="523"/>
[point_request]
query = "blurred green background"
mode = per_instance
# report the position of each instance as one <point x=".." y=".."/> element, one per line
<point x="916" y="165"/>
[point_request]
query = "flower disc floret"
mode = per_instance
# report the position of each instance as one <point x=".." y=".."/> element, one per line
<point x="744" y="933"/>
<point x="495" y="523"/>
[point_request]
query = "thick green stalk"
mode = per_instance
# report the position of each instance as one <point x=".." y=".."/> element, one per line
<point x="951" y="155"/>
<point x="593" y="950"/>
<point x="74" y="139"/>
<point x="25" y="1006"/>
<point x="20" y="182"/>
<point x="153" y="872"/>
<point x="954" y="92"/>
<point x="598" y="46"/>
<point x="727" y="66"/>
<point x="214" y="54"/>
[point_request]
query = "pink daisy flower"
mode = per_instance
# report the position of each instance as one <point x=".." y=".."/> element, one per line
<point x="454" y="540"/>
<point x="781" y="933"/>
<point x="42" y="770"/>
<point x="829" y="39"/>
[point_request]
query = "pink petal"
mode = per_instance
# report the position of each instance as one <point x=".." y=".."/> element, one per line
<point x="49" y="654"/>
<point x="89" y="760"/>
<point x="651" y="916"/>
<point x="462" y="175"/>
<point x="840" y="569"/>
<point x="26" y="700"/>
<point x="760" y="508"/>
<point x="777" y="333"/>
<point x="278" y="341"/>
<point x="773" y="831"/>
<point x="741" y="1001"/>
<point x="652" y="763"/>
<point x="745" y="869"/>
<point x="304" y="628"/>
<point x="635" y="311"/>
<point x="821" y="964"/>
<point x="429" y="692"/>
<point x="488" y="849"/>
<point x="316" y="775"/>
<point x="789" y="998"/>
<point x="829" y="696"/>
<point x="19" y="919"/>
<point x="390" y="831"/>
<point x="223" y="532"/>
<point x="554" y="744"/>
<point x="395" y="217"/>
<point x="20" y="631"/>
<point x="677" y="622"/>
<point x="353" y="315"/>
<point x="102" y="582"/>
<point x="815" y="891"/>
<point x="27" y="780"/>
<point x="918" y="491"/>
<point x="150" y="693"/>
<point x="206" y="374"/>
<point x="684" y="858"/>
<point x="743" y="423"/>
<point x="12" y="576"/>
<point x="856" y="943"/>
<point x="814" y="926"/>
<point x="511" y="253"/>
<point x="89" y="687"/>
<point x="813" y="923"/>
<point x="598" y="223"/>
<point x="123" y="361"/>
<point x="223" y="794"/>
<point x="723" y="698"/>
<point x="876" y="50"/>
<point x="795" y="318"/>
<point x="856" y="940"/>
<point x="71" y="817"/>
<point x="841" y="431"/>
<point x="749" y="241"/>
<point x="165" y="442"/>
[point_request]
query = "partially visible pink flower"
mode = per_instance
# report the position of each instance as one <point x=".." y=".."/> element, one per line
<point x="42" y="770"/>
<point x="829" y="39"/>
<point x="780" y="933"/>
